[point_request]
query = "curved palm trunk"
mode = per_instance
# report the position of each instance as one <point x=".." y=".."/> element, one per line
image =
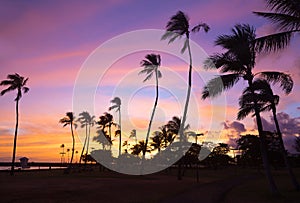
<point x="283" y="151"/>
<point x="263" y="147"/>
<point x="152" y="116"/>
<point x="12" y="172"/>
<point x="83" y="144"/>
<point x="188" y="95"/>
<point x="120" y="138"/>
<point x="73" y="147"/>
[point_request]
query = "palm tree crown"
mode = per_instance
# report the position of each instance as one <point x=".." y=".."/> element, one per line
<point x="15" y="82"/>
<point x="286" y="17"/>
<point x="151" y="65"/>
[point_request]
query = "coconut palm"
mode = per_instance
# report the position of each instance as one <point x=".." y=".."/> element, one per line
<point x="133" y="135"/>
<point x="69" y="119"/>
<point x="238" y="61"/>
<point x="15" y="82"/>
<point x="173" y="128"/>
<point x="157" y="141"/>
<point x="139" y="148"/>
<point x="267" y="101"/>
<point x="177" y="27"/>
<point x="117" y="106"/>
<point x="86" y="121"/>
<point x="103" y="137"/>
<point x="151" y="64"/>
<point x="286" y="17"/>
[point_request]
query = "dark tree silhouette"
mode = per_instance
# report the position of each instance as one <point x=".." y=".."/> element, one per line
<point x="239" y="61"/>
<point x="286" y="17"/>
<point x="69" y="119"/>
<point x="157" y="141"/>
<point x="177" y="27"/>
<point x="138" y="148"/>
<point x="150" y="65"/>
<point x="102" y="137"/>
<point x="86" y="121"/>
<point x="266" y="101"/>
<point x="117" y="106"/>
<point x="133" y="135"/>
<point x="15" y="82"/>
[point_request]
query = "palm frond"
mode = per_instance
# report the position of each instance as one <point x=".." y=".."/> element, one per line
<point x="185" y="45"/>
<point x="148" y="77"/>
<point x="283" y="21"/>
<point x="273" y="42"/>
<point x="25" y="89"/>
<point x="285" y="80"/>
<point x="217" y="85"/>
<point x="10" y="88"/>
<point x="197" y="28"/>
<point x="290" y="7"/>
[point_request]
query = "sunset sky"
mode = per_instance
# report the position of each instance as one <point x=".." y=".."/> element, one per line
<point x="49" y="42"/>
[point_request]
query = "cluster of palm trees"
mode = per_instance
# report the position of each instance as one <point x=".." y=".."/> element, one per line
<point x="236" y="63"/>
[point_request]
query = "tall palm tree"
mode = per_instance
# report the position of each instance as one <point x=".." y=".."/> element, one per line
<point x="177" y="27"/>
<point x="238" y="61"/>
<point x="86" y="121"/>
<point x="15" y="82"/>
<point x="286" y="17"/>
<point x="69" y="119"/>
<point x="151" y="64"/>
<point x="173" y="128"/>
<point x="267" y="101"/>
<point x="117" y="105"/>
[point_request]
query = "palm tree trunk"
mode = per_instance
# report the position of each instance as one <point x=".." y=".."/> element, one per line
<point x="284" y="154"/>
<point x="12" y="172"/>
<point x="73" y="147"/>
<point x="188" y="95"/>
<point x="263" y="148"/>
<point x="88" y="141"/>
<point x="83" y="144"/>
<point x="152" y="115"/>
<point x="120" y="138"/>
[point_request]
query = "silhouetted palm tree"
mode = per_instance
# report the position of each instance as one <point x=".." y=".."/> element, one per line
<point x="173" y="128"/>
<point x="133" y="135"/>
<point x="117" y="105"/>
<point x="157" y="141"/>
<point x="267" y="101"/>
<point x="151" y="65"/>
<point x="86" y="121"/>
<point x="109" y="119"/>
<point x="15" y="82"/>
<point x="69" y="119"/>
<point x="138" y="148"/>
<point x="286" y="17"/>
<point x="103" y="138"/>
<point x="238" y="61"/>
<point x="177" y="27"/>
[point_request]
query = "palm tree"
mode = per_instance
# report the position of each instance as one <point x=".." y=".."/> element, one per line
<point x="287" y="20"/>
<point x="157" y="141"/>
<point x="117" y="105"/>
<point x="15" y="82"/>
<point x="267" y="101"/>
<point x="173" y="128"/>
<point x="138" y="148"/>
<point x="238" y="61"/>
<point x="151" y="65"/>
<point x="177" y="27"/>
<point x="69" y="119"/>
<point x="133" y="135"/>
<point x="86" y="121"/>
<point x="109" y="122"/>
<point x="103" y="138"/>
